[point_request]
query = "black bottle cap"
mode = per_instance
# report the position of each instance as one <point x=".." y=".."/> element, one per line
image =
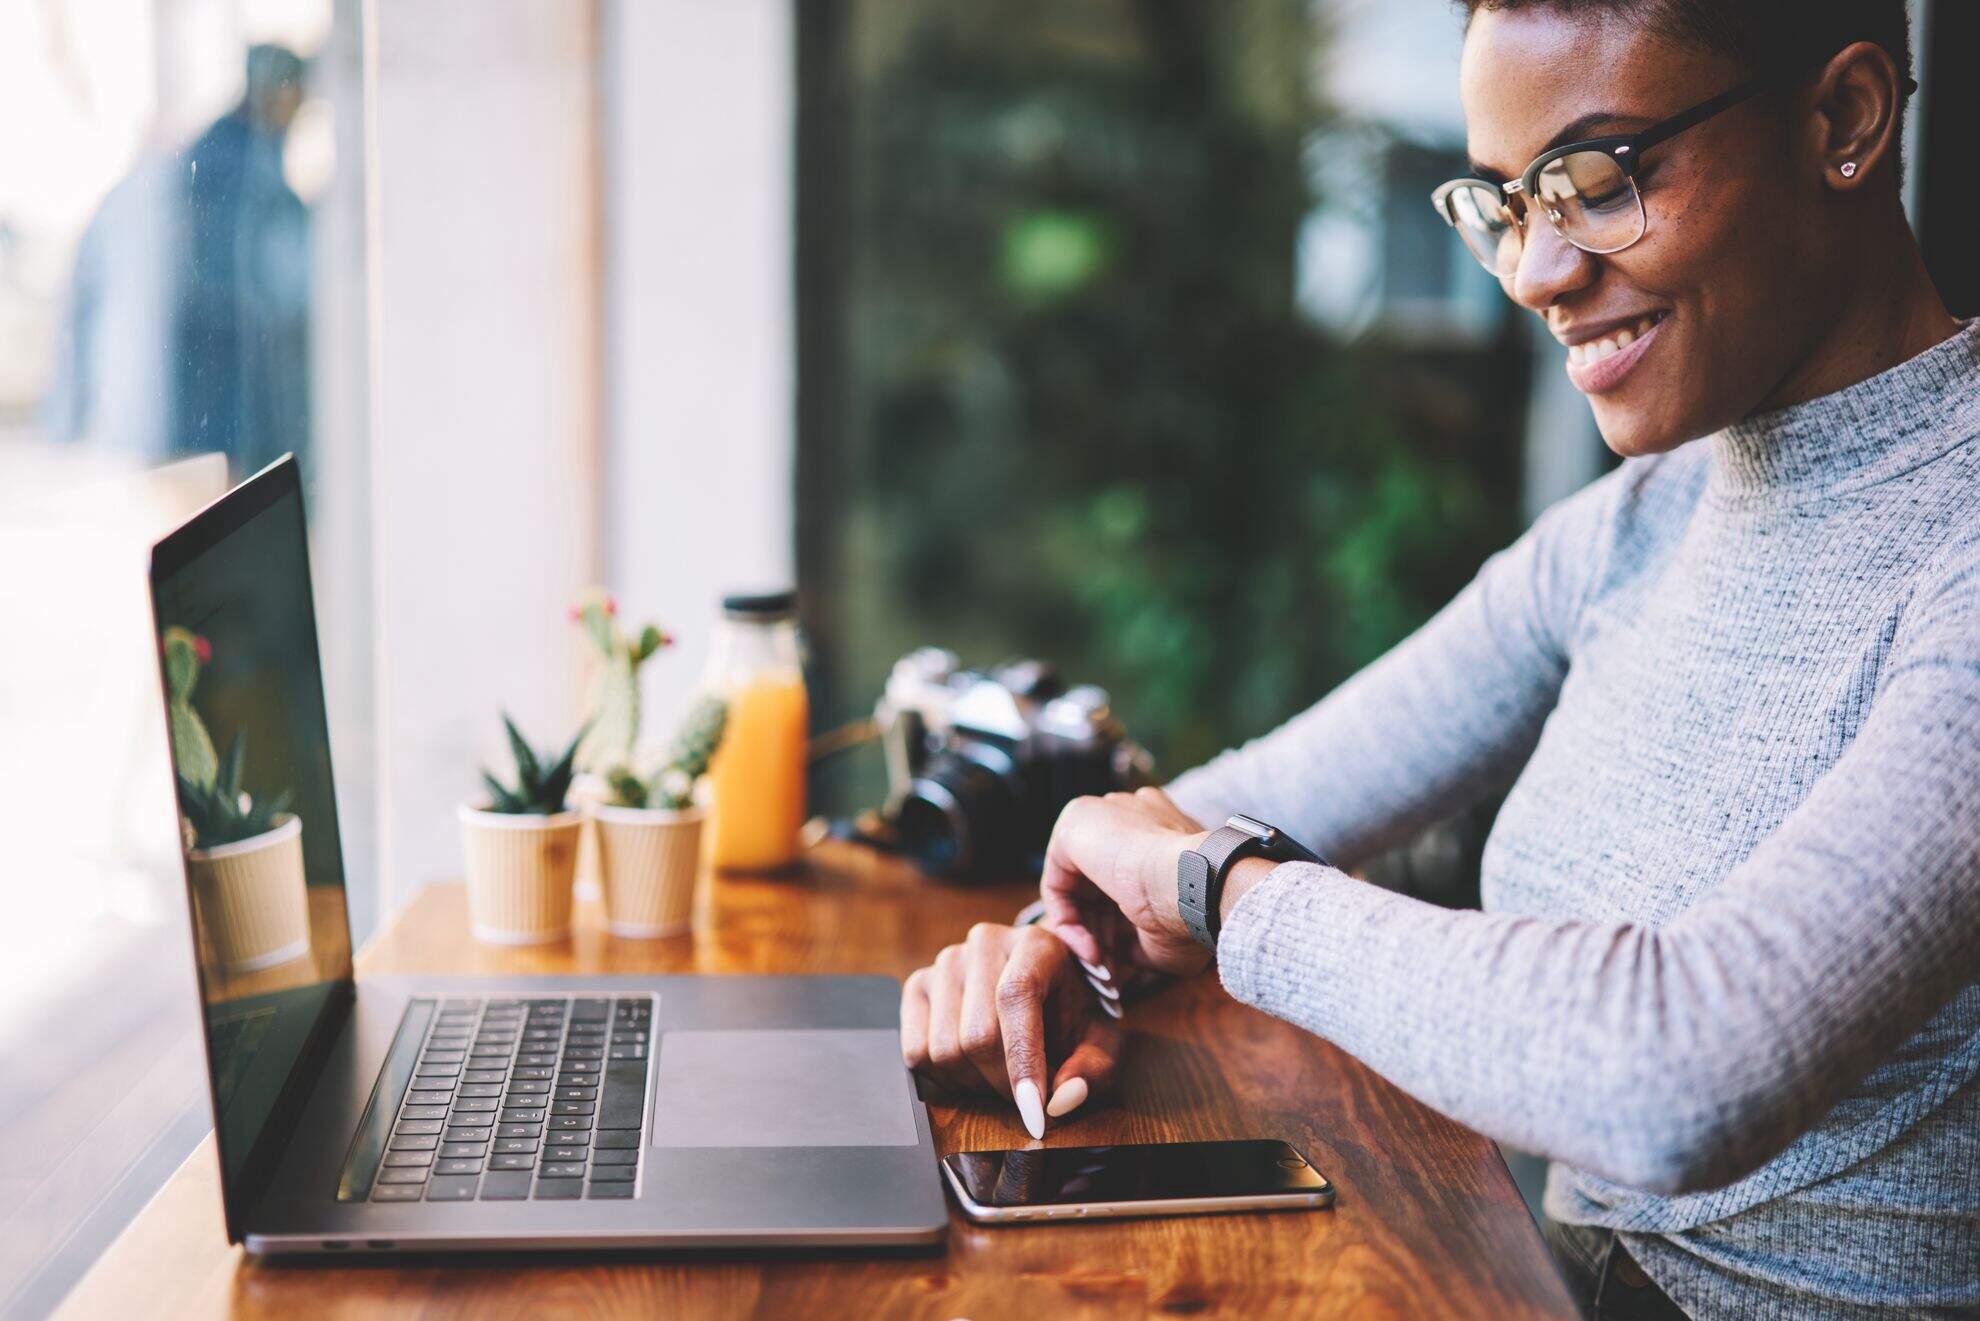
<point x="760" y="605"/>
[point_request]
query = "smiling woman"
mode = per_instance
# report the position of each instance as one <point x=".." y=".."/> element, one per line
<point x="1725" y="974"/>
<point x="1765" y="247"/>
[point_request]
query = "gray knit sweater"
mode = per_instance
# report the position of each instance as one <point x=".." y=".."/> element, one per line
<point x="1726" y="973"/>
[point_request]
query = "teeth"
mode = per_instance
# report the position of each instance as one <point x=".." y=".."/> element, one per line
<point x="1596" y="350"/>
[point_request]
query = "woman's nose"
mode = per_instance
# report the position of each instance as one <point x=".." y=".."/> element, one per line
<point x="1549" y="267"/>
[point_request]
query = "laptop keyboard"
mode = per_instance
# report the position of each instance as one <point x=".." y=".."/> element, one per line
<point x="523" y="1099"/>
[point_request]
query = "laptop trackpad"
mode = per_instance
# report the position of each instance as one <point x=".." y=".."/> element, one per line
<point x="817" y="1087"/>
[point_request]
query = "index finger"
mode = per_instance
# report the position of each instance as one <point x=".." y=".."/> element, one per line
<point x="1021" y="992"/>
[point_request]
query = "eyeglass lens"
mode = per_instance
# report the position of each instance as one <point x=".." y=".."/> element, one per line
<point x="1588" y="197"/>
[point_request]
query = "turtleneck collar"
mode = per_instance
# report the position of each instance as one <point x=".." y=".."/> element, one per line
<point x="1864" y="433"/>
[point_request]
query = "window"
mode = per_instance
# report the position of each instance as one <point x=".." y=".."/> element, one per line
<point x="181" y="301"/>
<point x="1128" y="338"/>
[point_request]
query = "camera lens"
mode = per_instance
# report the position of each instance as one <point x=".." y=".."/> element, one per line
<point x="961" y="810"/>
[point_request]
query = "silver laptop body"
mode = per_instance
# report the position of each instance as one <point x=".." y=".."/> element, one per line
<point x="437" y="1114"/>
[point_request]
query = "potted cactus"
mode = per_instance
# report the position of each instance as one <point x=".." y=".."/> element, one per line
<point x="243" y="852"/>
<point x="615" y="712"/>
<point x="521" y="848"/>
<point x="649" y="831"/>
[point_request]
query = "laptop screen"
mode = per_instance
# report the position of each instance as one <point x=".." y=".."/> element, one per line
<point x="258" y="817"/>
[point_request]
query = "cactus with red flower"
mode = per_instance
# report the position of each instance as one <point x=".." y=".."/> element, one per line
<point x="192" y="747"/>
<point x="615" y="710"/>
<point x="216" y="810"/>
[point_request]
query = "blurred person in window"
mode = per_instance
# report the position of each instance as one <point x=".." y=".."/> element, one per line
<point x="1727" y="974"/>
<point x="187" y="328"/>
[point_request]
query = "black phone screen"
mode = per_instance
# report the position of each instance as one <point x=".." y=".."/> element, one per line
<point x="1147" y="1172"/>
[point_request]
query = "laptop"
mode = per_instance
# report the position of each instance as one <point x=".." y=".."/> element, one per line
<point x="435" y="1114"/>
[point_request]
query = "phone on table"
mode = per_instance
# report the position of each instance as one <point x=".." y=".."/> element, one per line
<point x="1146" y="1179"/>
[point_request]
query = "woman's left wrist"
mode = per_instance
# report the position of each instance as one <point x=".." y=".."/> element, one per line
<point x="1244" y="876"/>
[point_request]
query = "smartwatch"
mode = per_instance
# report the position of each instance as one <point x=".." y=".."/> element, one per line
<point x="1201" y="871"/>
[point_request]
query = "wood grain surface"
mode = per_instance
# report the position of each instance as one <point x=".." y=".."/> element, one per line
<point x="1427" y="1221"/>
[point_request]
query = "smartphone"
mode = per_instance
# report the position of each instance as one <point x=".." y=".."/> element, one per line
<point x="1146" y="1179"/>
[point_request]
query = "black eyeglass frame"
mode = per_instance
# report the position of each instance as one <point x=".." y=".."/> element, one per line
<point x="1626" y="150"/>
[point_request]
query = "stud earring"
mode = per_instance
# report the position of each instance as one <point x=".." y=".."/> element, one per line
<point x="1849" y="169"/>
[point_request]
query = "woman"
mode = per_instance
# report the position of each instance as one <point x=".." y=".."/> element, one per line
<point x="1725" y="975"/>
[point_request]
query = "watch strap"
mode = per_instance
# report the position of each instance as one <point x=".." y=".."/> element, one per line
<point x="1200" y="879"/>
<point x="1193" y="877"/>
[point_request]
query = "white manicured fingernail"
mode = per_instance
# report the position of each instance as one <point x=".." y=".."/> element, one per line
<point x="1067" y="1098"/>
<point x="1030" y="1109"/>
<point x="1096" y="969"/>
<point x="1110" y="1006"/>
<point x="1103" y="988"/>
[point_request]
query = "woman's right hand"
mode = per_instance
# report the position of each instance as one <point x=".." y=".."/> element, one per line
<point x="1007" y="1010"/>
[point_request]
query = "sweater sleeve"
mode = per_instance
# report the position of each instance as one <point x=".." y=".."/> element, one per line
<point x="1677" y="1058"/>
<point x="1433" y="724"/>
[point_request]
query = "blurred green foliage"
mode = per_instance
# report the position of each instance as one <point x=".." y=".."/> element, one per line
<point x="1083" y="417"/>
<point x="1054" y="254"/>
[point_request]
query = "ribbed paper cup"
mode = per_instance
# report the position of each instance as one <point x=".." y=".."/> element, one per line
<point x="647" y="862"/>
<point x="519" y="869"/>
<point x="253" y="906"/>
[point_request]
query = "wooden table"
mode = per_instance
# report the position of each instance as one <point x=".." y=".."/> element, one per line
<point x="1428" y="1222"/>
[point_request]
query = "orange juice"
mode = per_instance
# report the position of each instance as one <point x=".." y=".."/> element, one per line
<point x="757" y="775"/>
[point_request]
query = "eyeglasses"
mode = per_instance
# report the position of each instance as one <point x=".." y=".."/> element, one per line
<point x="1587" y="190"/>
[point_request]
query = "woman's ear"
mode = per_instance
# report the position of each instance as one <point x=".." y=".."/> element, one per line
<point x="1858" y="99"/>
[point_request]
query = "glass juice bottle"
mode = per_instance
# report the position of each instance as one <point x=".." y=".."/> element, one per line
<point x="757" y="775"/>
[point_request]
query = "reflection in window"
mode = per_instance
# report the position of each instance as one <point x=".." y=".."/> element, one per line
<point x="181" y="274"/>
<point x="185" y="324"/>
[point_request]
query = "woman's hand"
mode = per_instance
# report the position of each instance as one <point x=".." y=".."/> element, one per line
<point x="1110" y="883"/>
<point x="1006" y="1010"/>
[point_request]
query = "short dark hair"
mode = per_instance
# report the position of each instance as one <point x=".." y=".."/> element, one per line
<point x="1769" y="38"/>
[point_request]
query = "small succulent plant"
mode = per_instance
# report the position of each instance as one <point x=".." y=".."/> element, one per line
<point x="219" y="812"/>
<point x="671" y="787"/>
<point x="541" y="784"/>
<point x="615" y="711"/>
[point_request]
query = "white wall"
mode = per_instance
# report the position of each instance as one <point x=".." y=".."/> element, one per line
<point x="485" y="446"/>
<point x="585" y="362"/>
<point x="698" y="106"/>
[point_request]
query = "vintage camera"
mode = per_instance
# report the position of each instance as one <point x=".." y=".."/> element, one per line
<point x="979" y="765"/>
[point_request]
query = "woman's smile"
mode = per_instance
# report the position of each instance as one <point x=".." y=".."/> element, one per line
<point x="1599" y="363"/>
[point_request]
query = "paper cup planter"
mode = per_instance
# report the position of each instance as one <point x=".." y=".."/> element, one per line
<point x="519" y="872"/>
<point x="648" y="859"/>
<point x="253" y="905"/>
